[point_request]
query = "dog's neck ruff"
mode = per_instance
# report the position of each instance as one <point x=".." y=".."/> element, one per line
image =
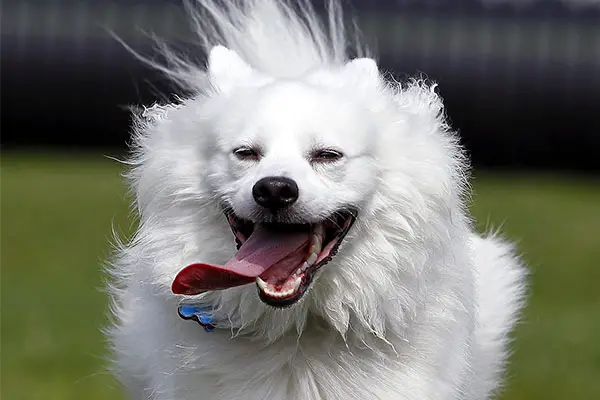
<point x="202" y="315"/>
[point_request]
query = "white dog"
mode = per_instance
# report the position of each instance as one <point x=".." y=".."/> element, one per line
<point x="357" y="273"/>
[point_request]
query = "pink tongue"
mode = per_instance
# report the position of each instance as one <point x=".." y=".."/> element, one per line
<point x="264" y="250"/>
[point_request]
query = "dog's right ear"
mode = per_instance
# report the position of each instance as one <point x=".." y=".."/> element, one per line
<point x="362" y="71"/>
<point x="226" y="69"/>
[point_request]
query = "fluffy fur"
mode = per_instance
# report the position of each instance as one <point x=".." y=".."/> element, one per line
<point x="414" y="306"/>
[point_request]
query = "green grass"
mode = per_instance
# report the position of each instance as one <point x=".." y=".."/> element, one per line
<point x="556" y="223"/>
<point x="57" y="214"/>
<point x="56" y="225"/>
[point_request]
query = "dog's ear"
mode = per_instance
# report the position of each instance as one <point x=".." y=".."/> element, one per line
<point x="362" y="70"/>
<point x="226" y="69"/>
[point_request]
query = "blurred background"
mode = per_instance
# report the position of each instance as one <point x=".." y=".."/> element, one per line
<point x="521" y="82"/>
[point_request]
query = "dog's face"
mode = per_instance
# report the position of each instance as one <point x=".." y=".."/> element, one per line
<point x="293" y="164"/>
<point x="315" y="145"/>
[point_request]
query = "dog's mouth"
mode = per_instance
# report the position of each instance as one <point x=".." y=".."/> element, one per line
<point x="281" y="258"/>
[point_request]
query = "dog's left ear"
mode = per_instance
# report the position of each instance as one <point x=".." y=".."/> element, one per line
<point x="363" y="70"/>
<point x="226" y="69"/>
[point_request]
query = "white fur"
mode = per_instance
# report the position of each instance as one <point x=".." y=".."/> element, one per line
<point x="414" y="306"/>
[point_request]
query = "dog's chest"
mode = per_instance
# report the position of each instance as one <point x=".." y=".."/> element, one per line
<point x="301" y="370"/>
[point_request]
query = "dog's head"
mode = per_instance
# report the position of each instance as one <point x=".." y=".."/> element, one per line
<point x="292" y="163"/>
<point x="335" y="180"/>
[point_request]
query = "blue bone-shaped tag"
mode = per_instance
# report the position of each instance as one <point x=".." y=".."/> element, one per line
<point x="198" y="314"/>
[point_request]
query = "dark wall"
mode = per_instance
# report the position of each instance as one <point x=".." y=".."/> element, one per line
<point x="522" y="85"/>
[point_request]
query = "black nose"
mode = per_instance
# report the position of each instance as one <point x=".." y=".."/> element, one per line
<point x="275" y="192"/>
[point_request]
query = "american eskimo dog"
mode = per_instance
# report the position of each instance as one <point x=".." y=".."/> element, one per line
<point x="304" y="231"/>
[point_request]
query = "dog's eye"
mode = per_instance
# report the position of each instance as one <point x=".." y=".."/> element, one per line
<point x="246" y="153"/>
<point x="325" y="155"/>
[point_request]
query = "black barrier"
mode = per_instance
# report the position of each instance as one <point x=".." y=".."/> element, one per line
<point x="522" y="86"/>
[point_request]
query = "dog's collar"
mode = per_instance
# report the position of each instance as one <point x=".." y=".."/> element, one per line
<point x="202" y="315"/>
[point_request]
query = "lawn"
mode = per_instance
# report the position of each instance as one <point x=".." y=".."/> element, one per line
<point x="57" y="214"/>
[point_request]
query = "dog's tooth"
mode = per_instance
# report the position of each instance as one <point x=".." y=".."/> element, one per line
<point x="315" y="244"/>
<point x="316" y="239"/>
<point x="319" y="231"/>
<point x="296" y="284"/>
<point x="304" y="266"/>
<point x="313" y="257"/>
<point x="262" y="284"/>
